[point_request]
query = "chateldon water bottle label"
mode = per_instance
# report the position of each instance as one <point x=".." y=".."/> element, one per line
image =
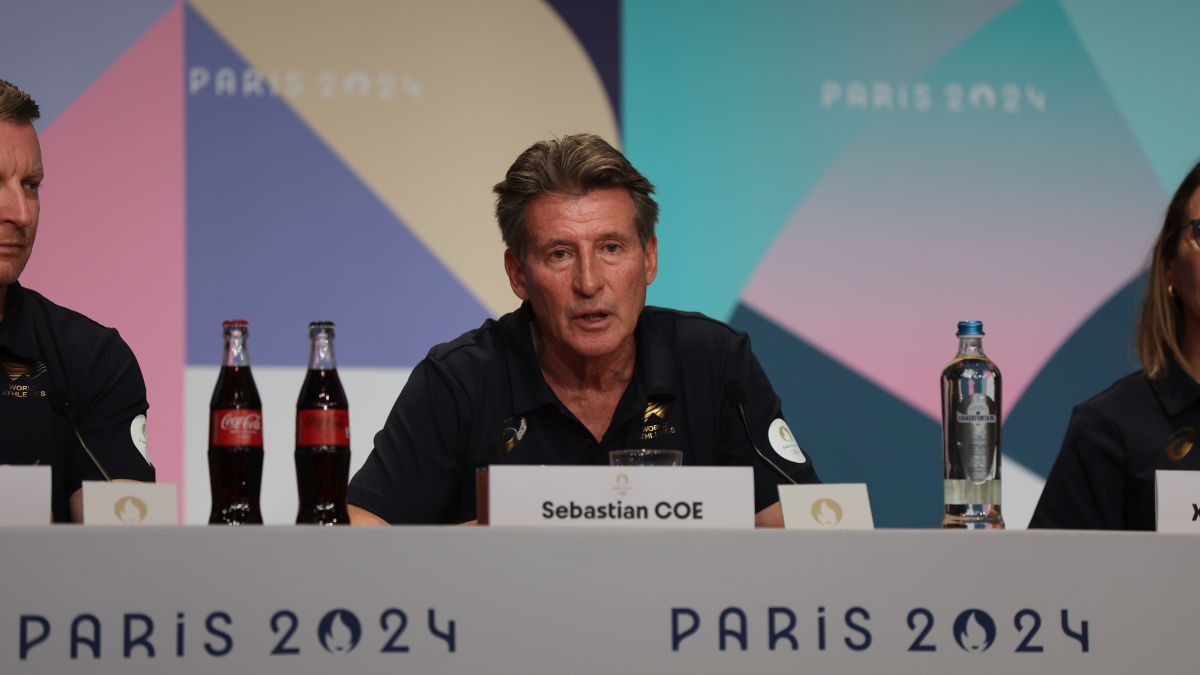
<point x="976" y="418"/>
<point x="978" y="408"/>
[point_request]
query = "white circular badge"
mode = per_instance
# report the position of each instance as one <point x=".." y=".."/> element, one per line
<point x="784" y="443"/>
<point x="137" y="432"/>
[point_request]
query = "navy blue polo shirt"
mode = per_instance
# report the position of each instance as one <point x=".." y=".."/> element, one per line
<point x="482" y="400"/>
<point x="45" y="348"/>
<point x="1116" y="441"/>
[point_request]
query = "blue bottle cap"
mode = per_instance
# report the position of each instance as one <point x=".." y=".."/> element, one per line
<point x="969" y="328"/>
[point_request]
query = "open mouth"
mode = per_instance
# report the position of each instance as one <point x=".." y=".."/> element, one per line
<point x="592" y="318"/>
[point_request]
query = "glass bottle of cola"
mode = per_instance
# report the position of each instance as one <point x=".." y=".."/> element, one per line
<point x="235" y="436"/>
<point x="971" y="435"/>
<point x="322" y="435"/>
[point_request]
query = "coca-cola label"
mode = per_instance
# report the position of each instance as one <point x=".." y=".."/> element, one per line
<point x="323" y="427"/>
<point x="236" y="427"/>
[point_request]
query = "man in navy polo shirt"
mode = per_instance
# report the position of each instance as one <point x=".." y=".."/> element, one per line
<point x="582" y="367"/>
<point x="63" y="372"/>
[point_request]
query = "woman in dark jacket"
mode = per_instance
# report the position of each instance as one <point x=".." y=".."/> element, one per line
<point x="1148" y="421"/>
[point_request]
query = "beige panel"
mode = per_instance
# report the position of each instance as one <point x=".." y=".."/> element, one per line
<point x="476" y="82"/>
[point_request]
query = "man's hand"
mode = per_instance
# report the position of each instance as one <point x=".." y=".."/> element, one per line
<point x="361" y="516"/>
<point x="772" y="516"/>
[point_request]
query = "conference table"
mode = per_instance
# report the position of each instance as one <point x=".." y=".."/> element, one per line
<point x="557" y="600"/>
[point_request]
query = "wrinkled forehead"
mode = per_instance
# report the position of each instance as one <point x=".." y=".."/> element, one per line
<point x="600" y="208"/>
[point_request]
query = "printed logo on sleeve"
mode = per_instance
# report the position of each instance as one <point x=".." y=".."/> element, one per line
<point x="784" y="443"/>
<point x="137" y="433"/>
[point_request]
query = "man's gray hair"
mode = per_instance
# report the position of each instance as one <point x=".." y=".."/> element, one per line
<point x="572" y="165"/>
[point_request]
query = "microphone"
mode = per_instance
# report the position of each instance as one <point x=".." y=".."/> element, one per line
<point x="62" y="406"/>
<point x="737" y="399"/>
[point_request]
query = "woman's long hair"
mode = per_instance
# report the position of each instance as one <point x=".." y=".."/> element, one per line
<point x="1160" y="325"/>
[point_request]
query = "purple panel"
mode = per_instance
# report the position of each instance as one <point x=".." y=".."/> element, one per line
<point x="281" y="232"/>
<point x="55" y="49"/>
<point x="597" y="26"/>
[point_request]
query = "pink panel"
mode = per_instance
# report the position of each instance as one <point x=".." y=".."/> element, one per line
<point x="878" y="278"/>
<point x="111" y="239"/>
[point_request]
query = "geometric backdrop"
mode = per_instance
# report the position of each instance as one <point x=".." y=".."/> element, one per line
<point x="843" y="181"/>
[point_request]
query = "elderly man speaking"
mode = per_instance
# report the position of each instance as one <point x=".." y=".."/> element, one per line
<point x="583" y="366"/>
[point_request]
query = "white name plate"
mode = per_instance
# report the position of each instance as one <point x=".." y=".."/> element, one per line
<point x="714" y="497"/>
<point x="25" y="495"/>
<point x="826" y="507"/>
<point x="1177" y="501"/>
<point x="127" y="503"/>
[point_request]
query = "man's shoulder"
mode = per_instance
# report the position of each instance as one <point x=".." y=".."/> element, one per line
<point x="478" y="343"/>
<point x="78" y="326"/>
<point x="688" y="329"/>
<point x="74" y="333"/>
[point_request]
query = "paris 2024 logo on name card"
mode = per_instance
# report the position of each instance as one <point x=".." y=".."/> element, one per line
<point x="129" y="503"/>
<point x="826" y="507"/>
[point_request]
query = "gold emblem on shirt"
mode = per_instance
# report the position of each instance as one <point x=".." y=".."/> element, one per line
<point x="654" y="420"/>
<point x="1180" y="443"/>
<point x="512" y="433"/>
<point x="15" y="370"/>
<point x="20" y="375"/>
<point x="657" y="409"/>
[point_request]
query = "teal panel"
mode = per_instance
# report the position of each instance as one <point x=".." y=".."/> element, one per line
<point x="722" y="112"/>
<point x="1146" y="54"/>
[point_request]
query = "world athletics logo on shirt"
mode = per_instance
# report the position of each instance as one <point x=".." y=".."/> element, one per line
<point x="654" y="420"/>
<point x="21" y="380"/>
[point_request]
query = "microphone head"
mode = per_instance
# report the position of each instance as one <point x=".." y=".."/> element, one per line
<point x="735" y="393"/>
<point x="58" y="402"/>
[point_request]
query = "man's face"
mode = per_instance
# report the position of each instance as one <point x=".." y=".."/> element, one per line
<point x="585" y="271"/>
<point x="20" y="176"/>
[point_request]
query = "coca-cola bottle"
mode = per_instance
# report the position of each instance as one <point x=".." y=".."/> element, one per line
<point x="322" y="435"/>
<point x="235" y="437"/>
